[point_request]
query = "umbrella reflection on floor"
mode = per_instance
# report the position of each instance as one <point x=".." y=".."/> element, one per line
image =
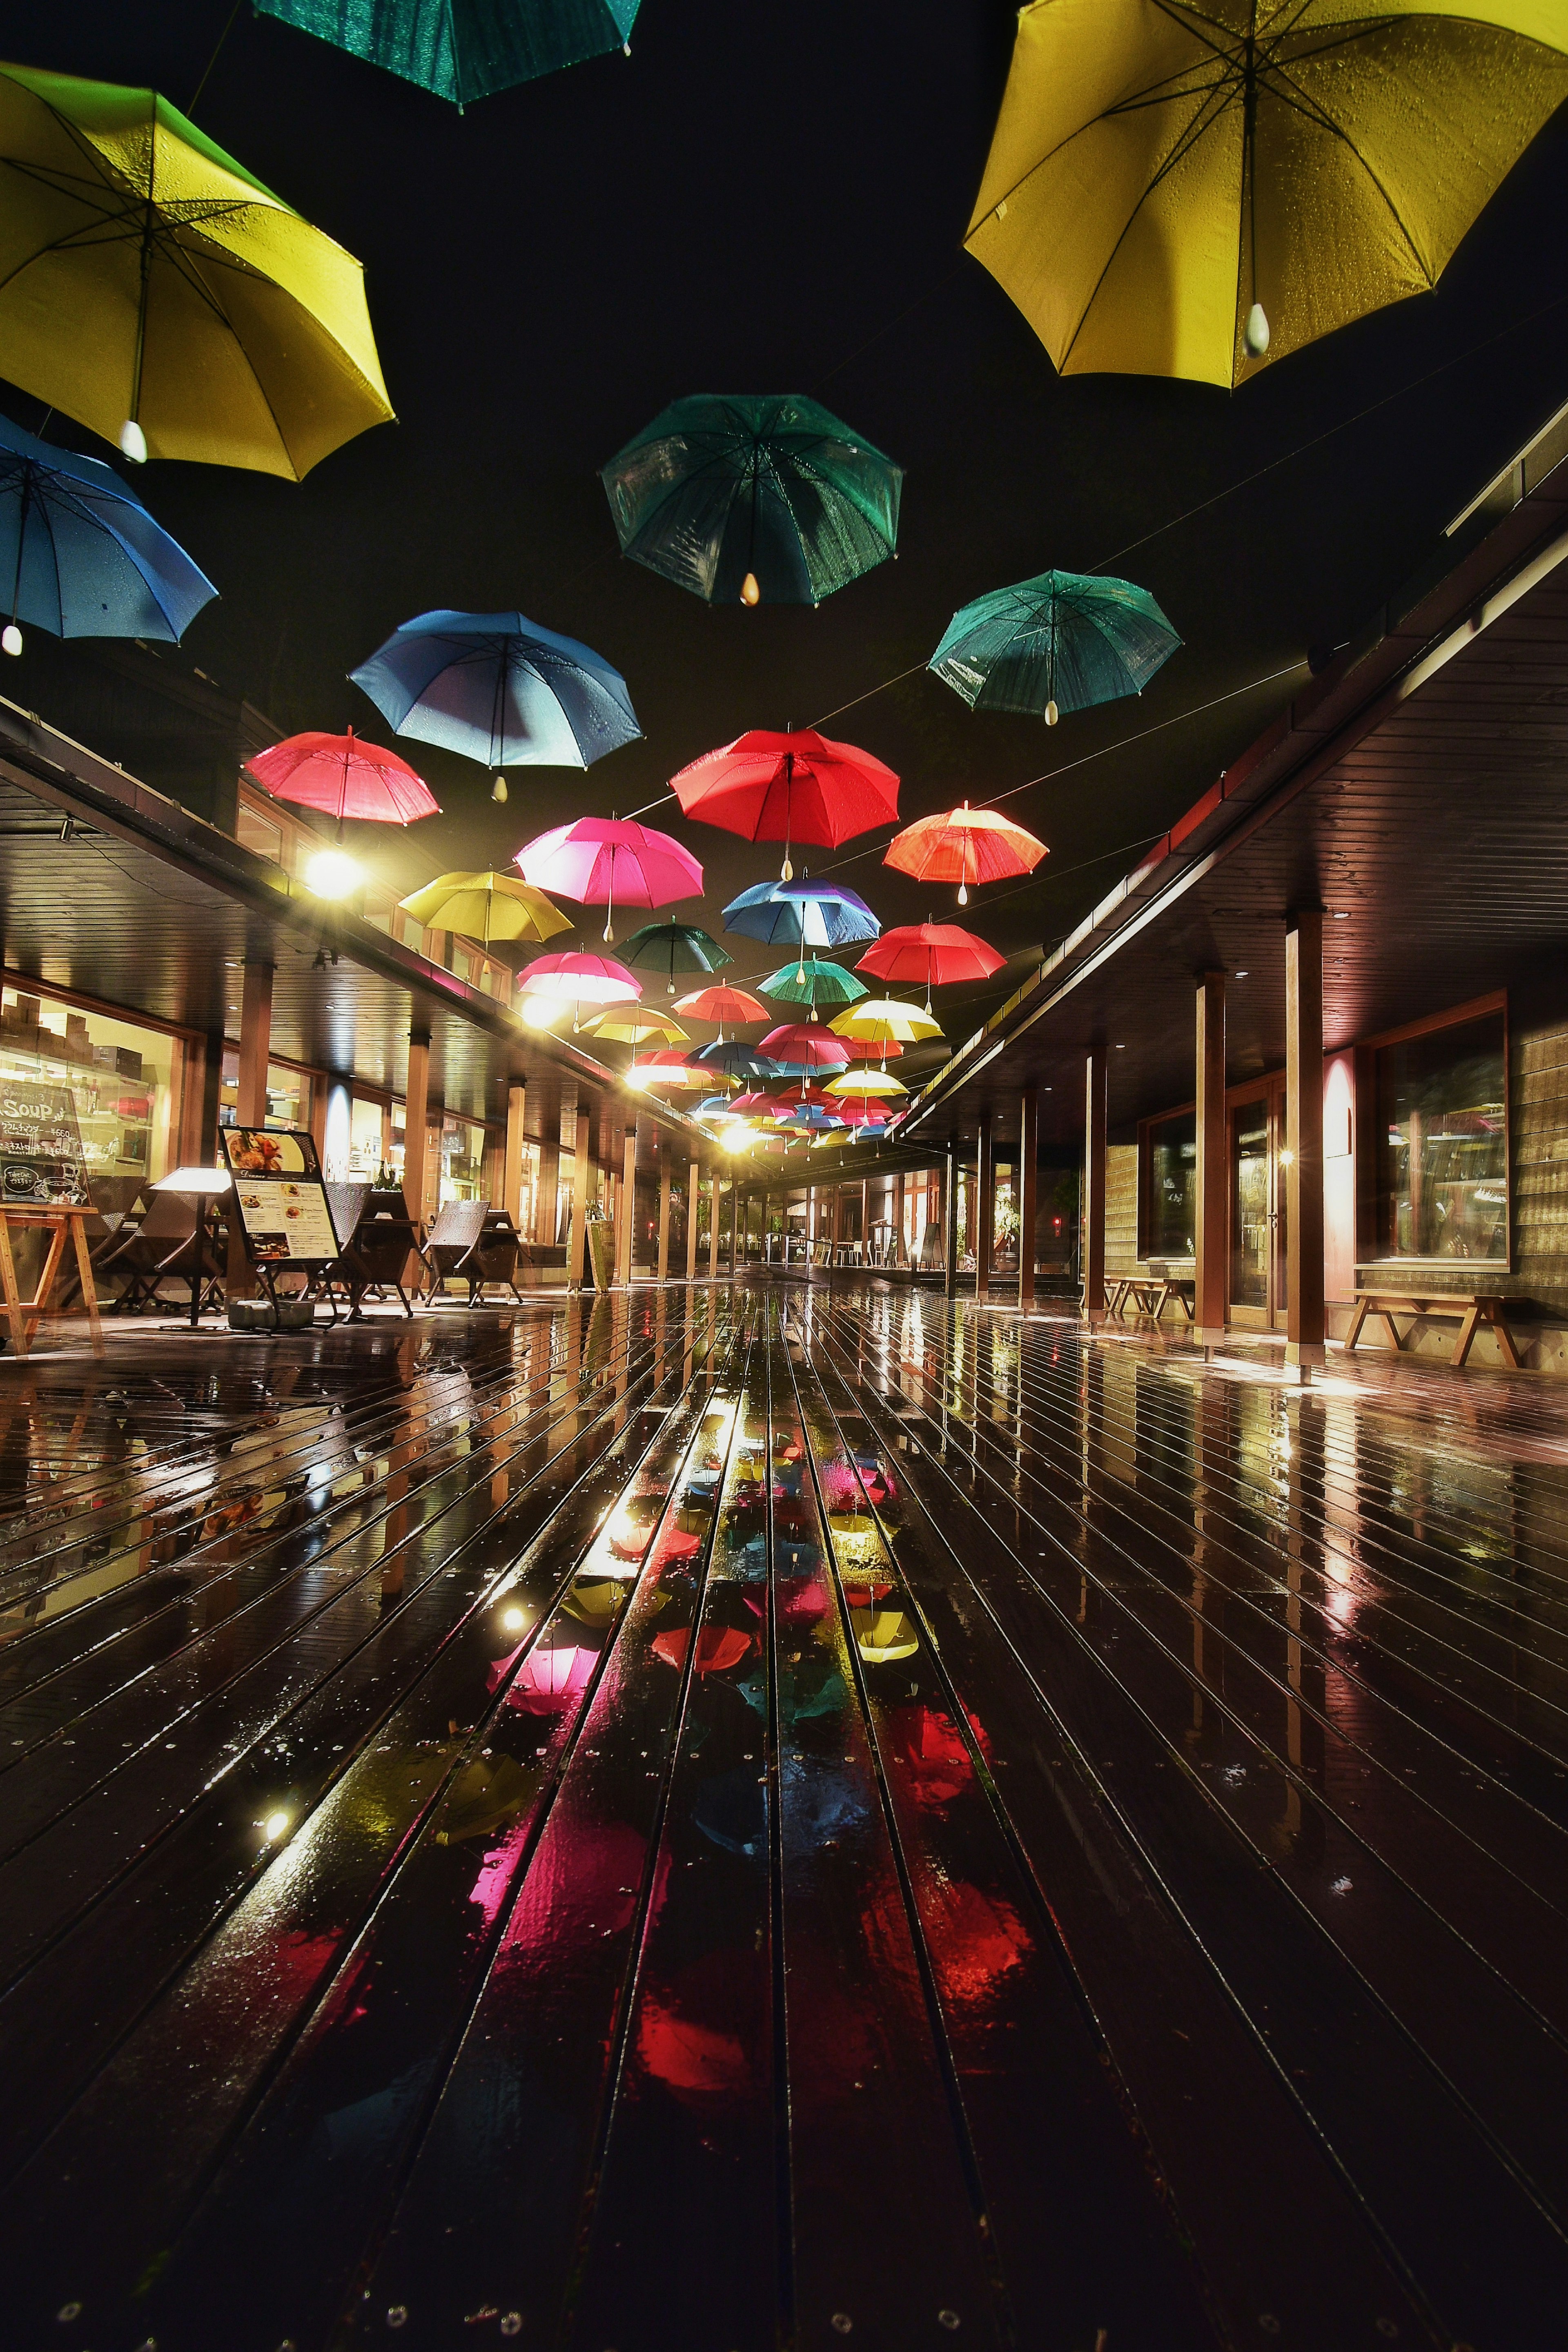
<point x="719" y="1647"/>
<point x="546" y="1682"/>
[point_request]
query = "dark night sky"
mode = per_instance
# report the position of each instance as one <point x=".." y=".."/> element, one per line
<point x="773" y="199"/>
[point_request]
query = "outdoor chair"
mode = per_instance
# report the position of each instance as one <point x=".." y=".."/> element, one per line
<point x="375" y="1249"/>
<point x="457" y="1228"/>
<point x="163" y="1244"/>
<point x="493" y="1258"/>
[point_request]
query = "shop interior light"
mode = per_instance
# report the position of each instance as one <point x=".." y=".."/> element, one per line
<point x="332" y="874"/>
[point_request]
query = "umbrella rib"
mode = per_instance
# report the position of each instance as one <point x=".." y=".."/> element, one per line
<point x="1310" y="111"/>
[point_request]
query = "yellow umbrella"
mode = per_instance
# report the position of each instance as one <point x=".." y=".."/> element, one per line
<point x="628" y="1025"/>
<point x="863" y="1081"/>
<point x="889" y="1635"/>
<point x="1177" y="190"/>
<point x="486" y="907"/>
<point x="884" y="1021"/>
<point x="152" y="289"/>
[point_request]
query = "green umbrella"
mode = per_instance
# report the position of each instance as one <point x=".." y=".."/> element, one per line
<point x="764" y="498"/>
<point x="812" y="982"/>
<point x="463" y="49"/>
<point x="675" y="947"/>
<point x="1057" y="643"/>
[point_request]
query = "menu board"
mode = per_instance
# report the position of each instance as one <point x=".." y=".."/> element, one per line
<point x="40" y="1145"/>
<point x="282" y="1200"/>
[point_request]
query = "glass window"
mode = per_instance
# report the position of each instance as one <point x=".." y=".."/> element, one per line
<point x="122" y="1082"/>
<point x="259" y="833"/>
<point x="1171" y="1210"/>
<point x="462" y="1160"/>
<point x="365" y="1159"/>
<point x="1442" y="1150"/>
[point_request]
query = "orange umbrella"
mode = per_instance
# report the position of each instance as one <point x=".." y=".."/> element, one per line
<point x="965" y="845"/>
<point x="721" y="1004"/>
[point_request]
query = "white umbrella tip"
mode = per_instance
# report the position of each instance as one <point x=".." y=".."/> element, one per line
<point x="133" y="441"/>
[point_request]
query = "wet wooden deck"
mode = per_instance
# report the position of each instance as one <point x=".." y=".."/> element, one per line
<point x="744" y="1818"/>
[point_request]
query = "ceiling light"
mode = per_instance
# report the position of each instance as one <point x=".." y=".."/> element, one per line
<point x="272" y="1828"/>
<point x="332" y="874"/>
<point x="1239" y="975"/>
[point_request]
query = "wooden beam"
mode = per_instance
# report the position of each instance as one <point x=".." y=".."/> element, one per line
<point x="713" y="1229"/>
<point x="950" y="1222"/>
<point x="694" y="1194"/>
<point x="1095" y="1075"/>
<point x="581" y="1173"/>
<point x="1304" y="1321"/>
<point x="1027" y="1191"/>
<point x="1211" y="1237"/>
<point x="512" y="1164"/>
<point x="985" y="1207"/>
<point x="416" y="1119"/>
<point x="664" y="1216"/>
<point x="546" y="1195"/>
<point x="255" y="1044"/>
<point x="627" y="1217"/>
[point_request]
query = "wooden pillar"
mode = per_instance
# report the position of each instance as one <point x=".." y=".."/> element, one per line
<point x="693" y="1193"/>
<point x="1211" y="1238"/>
<point x="547" y="1198"/>
<point x="512" y="1163"/>
<point x="985" y="1207"/>
<point x="581" y="1173"/>
<point x="1027" y="1191"/>
<point x="1304" y="1322"/>
<point x="321" y="1085"/>
<point x="1095" y="1122"/>
<point x="415" y="1121"/>
<point x="626" y="1220"/>
<point x="663" y="1217"/>
<point x="713" y="1229"/>
<point x="255" y="1044"/>
<point x="950" y="1222"/>
<point x="734" y="1227"/>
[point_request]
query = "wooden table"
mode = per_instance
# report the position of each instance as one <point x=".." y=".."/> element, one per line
<point x="23" y="1314"/>
<point x="1473" y="1308"/>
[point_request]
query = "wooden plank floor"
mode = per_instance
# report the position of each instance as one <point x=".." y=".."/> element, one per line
<point x="753" y="1817"/>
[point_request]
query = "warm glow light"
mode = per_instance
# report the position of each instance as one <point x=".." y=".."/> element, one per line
<point x="1287" y="1159"/>
<point x="515" y="1620"/>
<point x="738" y="1137"/>
<point x="542" y="1012"/>
<point x="332" y="874"/>
<point x="272" y="1828"/>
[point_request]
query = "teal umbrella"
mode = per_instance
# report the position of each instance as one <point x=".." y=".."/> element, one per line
<point x="764" y="498"/>
<point x="813" y="983"/>
<point x="675" y="947"/>
<point x="463" y="49"/>
<point x="1055" y="643"/>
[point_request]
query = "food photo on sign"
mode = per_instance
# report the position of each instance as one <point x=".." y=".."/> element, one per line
<point x="282" y="1200"/>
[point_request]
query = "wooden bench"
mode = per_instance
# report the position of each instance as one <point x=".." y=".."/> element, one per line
<point x="1148" y="1290"/>
<point x="1474" y="1308"/>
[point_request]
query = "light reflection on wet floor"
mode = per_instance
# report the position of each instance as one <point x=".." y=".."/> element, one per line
<point x="739" y="1817"/>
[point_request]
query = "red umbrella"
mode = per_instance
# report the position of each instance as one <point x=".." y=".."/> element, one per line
<point x="804" y="1043"/>
<point x="598" y="859"/>
<point x="866" y="1049"/>
<point x="721" y="1004"/>
<point x="345" y="777"/>
<point x="792" y="787"/>
<point x="935" y="953"/>
<point x="719" y="1647"/>
<point x="964" y="845"/>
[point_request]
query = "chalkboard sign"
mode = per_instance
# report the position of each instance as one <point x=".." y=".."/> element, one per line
<point x="40" y="1146"/>
<point x="282" y="1200"/>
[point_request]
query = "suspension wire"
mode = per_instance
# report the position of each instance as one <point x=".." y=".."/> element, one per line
<point x="212" y="61"/>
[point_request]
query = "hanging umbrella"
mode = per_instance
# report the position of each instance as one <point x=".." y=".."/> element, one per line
<point x="466" y="49"/>
<point x="805" y="1045"/>
<point x="863" y="1049"/>
<point x="632" y="1025"/>
<point x="670" y="1068"/>
<point x="722" y="1004"/>
<point x="753" y="1105"/>
<point x="79" y="556"/>
<point x="735" y="1059"/>
<point x="965" y="845"/>
<point x="1057" y="643"/>
<point x="597" y="859"/>
<point x="804" y="983"/>
<point x="676" y="947"/>
<point x="792" y="787"/>
<point x="812" y="914"/>
<point x="499" y="690"/>
<point x="153" y="289"/>
<point x="937" y="953"/>
<point x="754" y="497"/>
<point x="486" y="907"/>
<point x="884" y="1020"/>
<point x="866" y="1085"/>
<point x="344" y="776"/>
<point x="1174" y="190"/>
<point x="716" y="1107"/>
<point x="579" y="978"/>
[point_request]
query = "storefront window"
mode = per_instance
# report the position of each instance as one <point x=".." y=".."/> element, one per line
<point x="462" y="1160"/>
<point x="1170" y="1211"/>
<point x="1443" y="1143"/>
<point x="121" y="1083"/>
<point x="365" y="1142"/>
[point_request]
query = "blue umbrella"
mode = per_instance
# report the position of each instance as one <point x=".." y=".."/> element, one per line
<point x="1057" y="643"/>
<point x="802" y="914"/>
<point x="79" y="556"/>
<point x="499" y="688"/>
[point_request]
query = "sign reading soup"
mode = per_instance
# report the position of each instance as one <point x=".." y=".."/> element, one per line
<point x="40" y="1146"/>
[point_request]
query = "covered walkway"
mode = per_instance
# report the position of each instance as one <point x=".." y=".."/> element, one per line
<point x="741" y="1815"/>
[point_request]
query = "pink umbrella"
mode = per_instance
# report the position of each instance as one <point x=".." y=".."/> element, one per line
<point x="548" y="1680"/>
<point x="345" y="777"/>
<point x="804" y="1045"/>
<point x="597" y="860"/>
<point x="588" y="979"/>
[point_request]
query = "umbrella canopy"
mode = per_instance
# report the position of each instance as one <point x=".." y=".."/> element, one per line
<point x="722" y="1004"/>
<point x="486" y="907"/>
<point x="865" y="1086"/>
<point x="740" y="1061"/>
<point x="344" y="776"/>
<point x="965" y="845"/>
<point x="464" y="49"/>
<point x="598" y="859"/>
<point x="806" y="982"/>
<point x="935" y="953"/>
<point x="877" y="1049"/>
<point x="153" y="289"/>
<point x="1055" y="643"/>
<point x="804" y="1046"/>
<point x="632" y="1026"/>
<point x="884" y="1021"/>
<point x="753" y="1106"/>
<point x="716" y="1107"/>
<point x="676" y="947"/>
<point x="500" y="689"/>
<point x="754" y="497"/>
<point x="1176" y="190"/>
<point x="792" y="787"/>
<point x="670" y="1068"/>
<point x="810" y="914"/>
<point x="579" y="978"/>
<point x="79" y="556"/>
